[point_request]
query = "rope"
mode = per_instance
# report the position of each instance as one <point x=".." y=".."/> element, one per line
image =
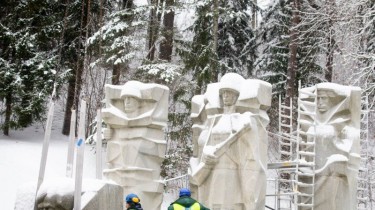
<point x="171" y="179"/>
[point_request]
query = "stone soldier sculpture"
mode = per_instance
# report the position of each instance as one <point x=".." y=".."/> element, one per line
<point x="337" y="147"/>
<point x="136" y="114"/>
<point x="230" y="144"/>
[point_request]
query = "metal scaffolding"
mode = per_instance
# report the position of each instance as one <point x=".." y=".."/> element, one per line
<point x="295" y="181"/>
<point x="364" y="188"/>
<point x="305" y="177"/>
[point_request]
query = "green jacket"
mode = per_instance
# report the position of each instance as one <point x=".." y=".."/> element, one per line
<point x="186" y="202"/>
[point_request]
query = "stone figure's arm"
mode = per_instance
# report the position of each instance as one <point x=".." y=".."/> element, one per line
<point x="211" y="154"/>
<point x="208" y="156"/>
<point x="354" y="161"/>
<point x="350" y="137"/>
<point x="336" y="164"/>
<point x="348" y="144"/>
<point x="195" y="147"/>
<point x="223" y="146"/>
<point x="194" y="162"/>
<point x="207" y="152"/>
<point x="245" y="122"/>
<point x="199" y="172"/>
<point x="107" y="133"/>
<point x="199" y="135"/>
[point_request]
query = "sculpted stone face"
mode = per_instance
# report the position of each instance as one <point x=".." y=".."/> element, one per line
<point x="324" y="101"/>
<point x="229" y="97"/>
<point x="131" y="104"/>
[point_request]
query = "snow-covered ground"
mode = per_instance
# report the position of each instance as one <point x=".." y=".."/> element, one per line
<point x="20" y="155"/>
<point x="20" y="158"/>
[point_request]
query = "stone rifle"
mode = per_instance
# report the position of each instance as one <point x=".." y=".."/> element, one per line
<point x="203" y="170"/>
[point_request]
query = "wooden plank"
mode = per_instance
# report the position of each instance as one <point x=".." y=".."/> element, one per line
<point x="80" y="155"/>
<point x="47" y="136"/>
<point x="99" y="168"/>
<point x="72" y="135"/>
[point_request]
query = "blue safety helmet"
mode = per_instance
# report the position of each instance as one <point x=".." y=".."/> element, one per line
<point x="132" y="198"/>
<point x="185" y="192"/>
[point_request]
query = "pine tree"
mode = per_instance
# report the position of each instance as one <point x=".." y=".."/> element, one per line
<point x="235" y="47"/>
<point x="159" y="67"/>
<point x="197" y="53"/>
<point x="167" y="32"/>
<point x="213" y="50"/>
<point x="287" y="54"/>
<point x="274" y="41"/>
<point x="28" y="60"/>
<point x="365" y="75"/>
<point x="79" y="23"/>
<point x="119" y="38"/>
<point x="236" y="41"/>
<point x="160" y="38"/>
<point x="178" y="132"/>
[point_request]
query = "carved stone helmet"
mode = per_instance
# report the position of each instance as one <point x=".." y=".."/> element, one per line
<point x="231" y="81"/>
<point x="131" y="91"/>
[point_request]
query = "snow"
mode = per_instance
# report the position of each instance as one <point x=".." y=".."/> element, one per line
<point x="339" y="89"/>
<point x="20" y="158"/>
<point x="20" y="155"/>
<point x="141" y="2"/>
<point x="336" y="158"/>
<point x="265" y="3"/>
<point x="58" y="186"/>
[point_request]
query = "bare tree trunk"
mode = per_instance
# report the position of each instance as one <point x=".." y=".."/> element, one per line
<point x="75" y="84"/>
<point x="329" y="63"/>
<point x="126" y="4"/>
<point x="293" y="46"/>
<point x="74" y="90"/>
<point x="166" y="46"/>
<point x="215" y="70"/>
<point x="78" y="83"/>
<point x="8" y="113"/>
<point x="152" y="30"/>
<point x="69" y="106"/>
<point x="331" y="42"/>
<point x="116" y="72"/>
<point x="292" y="65"/>
<point x="254" y="21"/>
<point x="8" y="97"/>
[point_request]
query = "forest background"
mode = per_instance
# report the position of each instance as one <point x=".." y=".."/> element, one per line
<point x="78" y="46"/>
